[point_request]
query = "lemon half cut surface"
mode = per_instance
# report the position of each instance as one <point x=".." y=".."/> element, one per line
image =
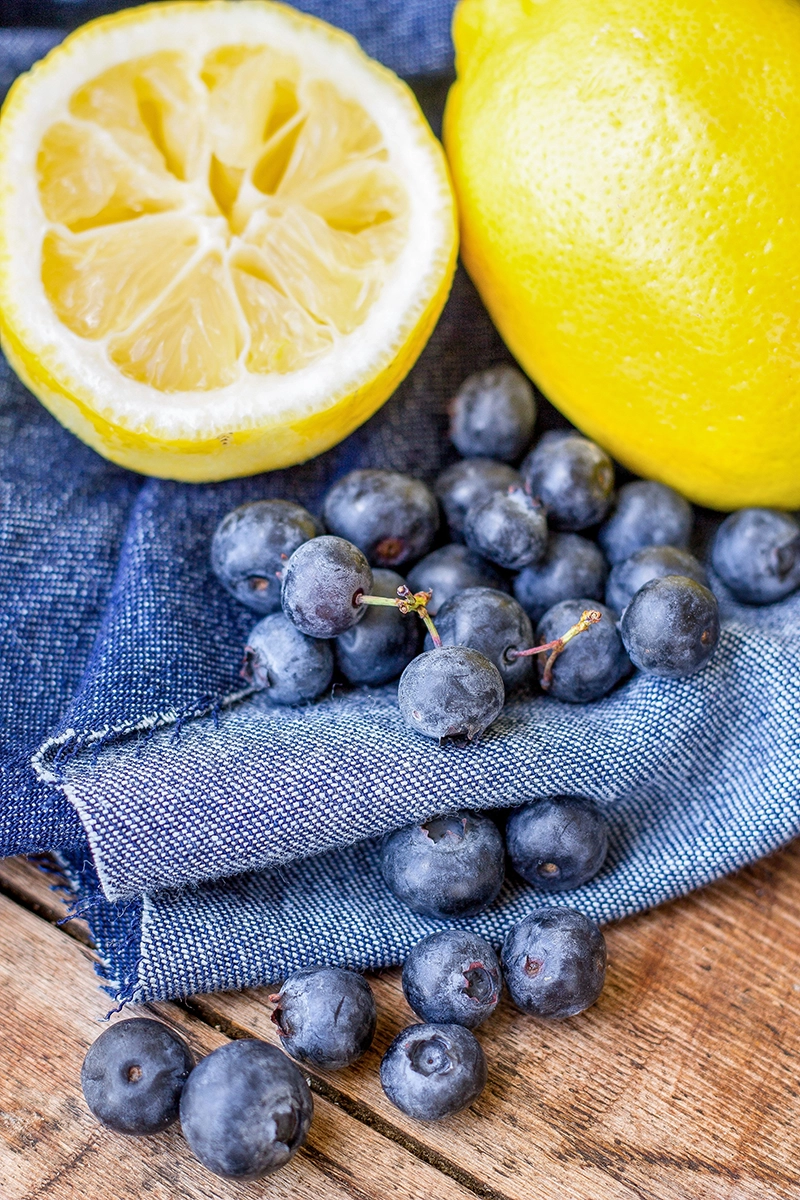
<point x="225" y="236"/>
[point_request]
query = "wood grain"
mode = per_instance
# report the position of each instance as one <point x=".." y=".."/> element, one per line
<point x="51" y="1147"/>
<point x="680" y="1084"/>
<point x="39" y="886"/>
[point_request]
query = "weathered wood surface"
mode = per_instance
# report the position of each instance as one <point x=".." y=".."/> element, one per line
<point x="51" y="1147"/>
<point x="681" y="1084"/>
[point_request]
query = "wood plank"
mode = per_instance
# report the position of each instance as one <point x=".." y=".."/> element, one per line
<point x="51" y="1147"/>
<point x="679" y="1085"/>
<point x="40" y="887"/>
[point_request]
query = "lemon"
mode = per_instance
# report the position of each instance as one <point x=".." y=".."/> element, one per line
<point x="225" y="236"/>
<point x="628" y="175"/>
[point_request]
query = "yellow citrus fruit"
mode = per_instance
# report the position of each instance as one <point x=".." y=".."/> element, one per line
<point x="225" y="236"/>
<point x="628" y="175"/>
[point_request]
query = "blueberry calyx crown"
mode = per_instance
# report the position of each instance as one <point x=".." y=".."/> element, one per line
<point x="451" y="825"/>
<point x="429" y="1056"/>
<point x="277" y="1016"/>
<point x="480" y="983"/>
<point x="407" y="602"/>
<point x="391" y="550"/>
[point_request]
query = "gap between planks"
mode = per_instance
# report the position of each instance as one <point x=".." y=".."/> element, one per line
<point x="51" y="1147"/>
<point x="31" y="888"/>
<point x="679" y="1085"/>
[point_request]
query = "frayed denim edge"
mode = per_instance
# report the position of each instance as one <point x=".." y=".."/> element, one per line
<point x="62" y="750"/>
<point x="57" y="753"/>
<point x="89" y="905"/>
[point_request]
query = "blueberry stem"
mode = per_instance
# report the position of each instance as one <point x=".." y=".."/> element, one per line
<point x="432" y="630"/>
<point x="589" y="616"/>
<point x="383" y="601"/>
<point x="408" y="602"/>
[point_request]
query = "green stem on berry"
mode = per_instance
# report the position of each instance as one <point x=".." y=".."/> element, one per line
<point x="384" y="601"/>
<point x="429" y="625"/>
<point x="589" y="617"/>
<point x="408" y="602"/>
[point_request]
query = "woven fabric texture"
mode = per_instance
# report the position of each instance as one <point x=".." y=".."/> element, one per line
<point x="218" y="842"/>
<point x="410" y="36"/>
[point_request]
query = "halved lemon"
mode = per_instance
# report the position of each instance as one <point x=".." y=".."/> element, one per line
<point x="225" y="236"/>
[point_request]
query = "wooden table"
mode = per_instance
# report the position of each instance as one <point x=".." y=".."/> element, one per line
<point x="680" y="1084"/>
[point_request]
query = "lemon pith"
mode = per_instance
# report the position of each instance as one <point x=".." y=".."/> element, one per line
<point x="225" y="235"/>
<point x="627" y="176"/>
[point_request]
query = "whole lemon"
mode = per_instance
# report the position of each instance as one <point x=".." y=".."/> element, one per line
<point x="628" y="174"/>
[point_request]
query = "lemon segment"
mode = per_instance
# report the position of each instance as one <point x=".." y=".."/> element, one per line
<point x="225" y="235"/>
<point x="103" y="279"/>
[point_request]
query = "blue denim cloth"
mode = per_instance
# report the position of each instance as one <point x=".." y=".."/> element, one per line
<point x="217" y="842"/>
<point x="410" y="36"/>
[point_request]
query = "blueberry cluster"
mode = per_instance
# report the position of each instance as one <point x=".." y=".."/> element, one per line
<point x="453" y="866"/>
<point x="541" y="549"/>
<point x="553" y="961"/>
<point x="245" y="1109"/>
<point x="330" y="599"/>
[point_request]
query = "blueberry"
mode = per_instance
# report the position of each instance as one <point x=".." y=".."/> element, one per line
<point x="493" y="623"/>
<point x="572" y="477"/>
<point x="391" y="517"/>
<point x="451" y="693"/>
<point x="591" y="663"/>
<point x="756" y="552"/>
<point x="646" y="514"/>
<point x="493" y="414"/>
<point x="558" y="843"/>
<point x="449" y="570"/>
<point x="325" y="1016"/>
<point x="508" y="528"/>
<point x="452" y="977"/>
<point x="378" y="648"/>
<point x="246" y="1110"/>
<point x="322" y="582"/>
<point x="554" y="962"/>
<point x="571" y="567"/>
<point x="251" y="546"/>
<point x="671" y="627"/>
<point x="286" y="664"/>
<point x="467" y="483"/>
<point x="433" y="1071"/>
<point x="133" y="1075"/>
<point x="450" y="866"/>
<point x="652" y="562"/>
